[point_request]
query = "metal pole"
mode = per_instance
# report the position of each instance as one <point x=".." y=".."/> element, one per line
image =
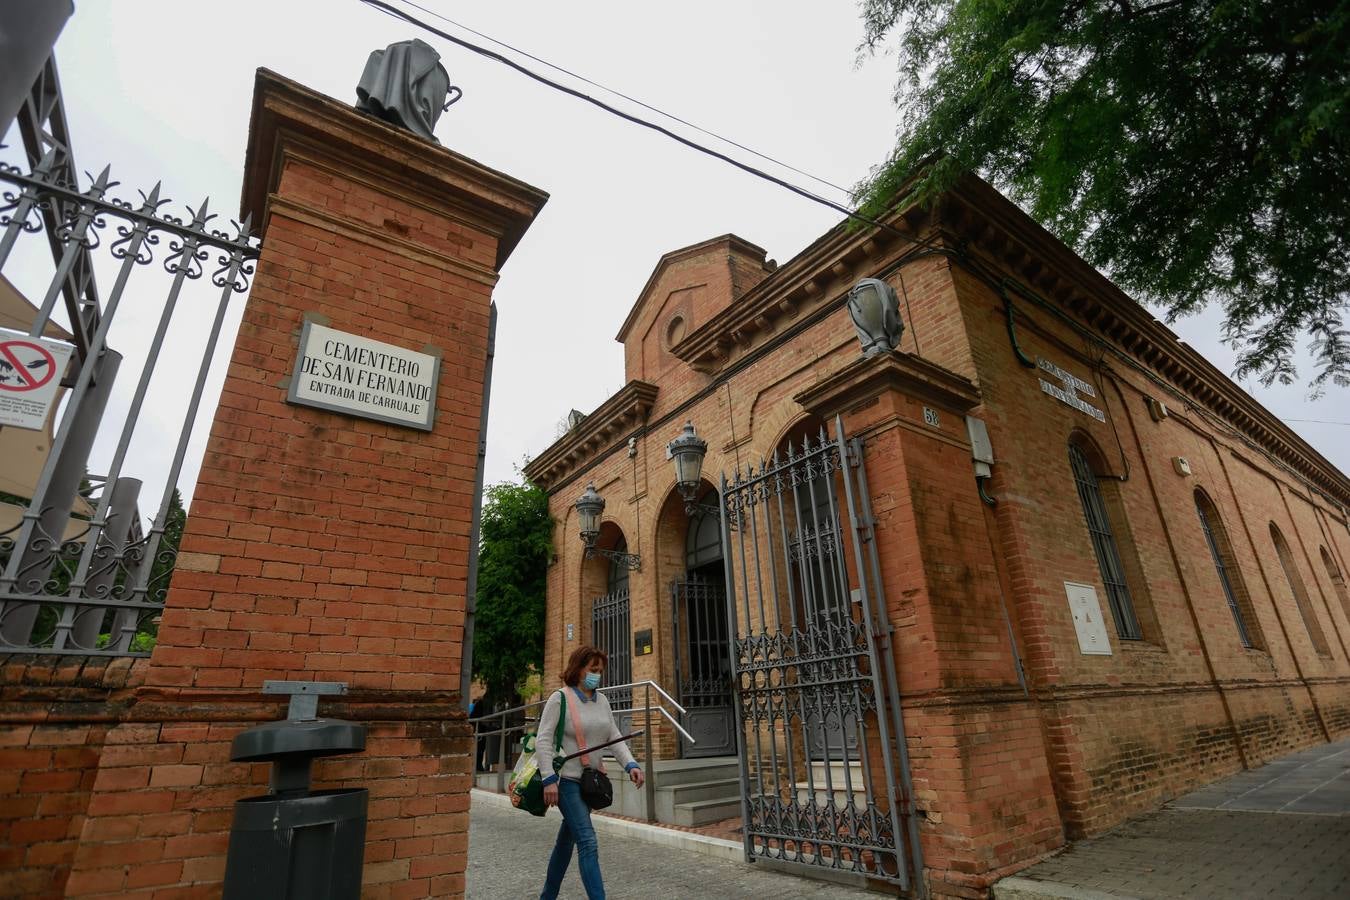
<point x="184" y="267"/>
<point x="231" y="280"/>
<point x="107" y="559"/>
<point x="501" y="754"/>
<point x="77" y="242"/>
<point x="651" y="737"/>
<point x="734" y="632"/>
<point x="861" y="515"/>
<point x="475" y="526"/>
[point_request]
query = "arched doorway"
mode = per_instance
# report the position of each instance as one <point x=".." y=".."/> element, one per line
<point x="702" y="637"/>
<point x="610" y="619"/>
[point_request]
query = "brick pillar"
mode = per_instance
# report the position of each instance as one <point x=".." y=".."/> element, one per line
<point x="322" y="546"/>
<point x="980" y="769"/>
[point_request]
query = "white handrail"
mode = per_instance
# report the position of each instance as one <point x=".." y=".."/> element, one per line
<point x="660" y="690"/>
<point x="662" y="710"/>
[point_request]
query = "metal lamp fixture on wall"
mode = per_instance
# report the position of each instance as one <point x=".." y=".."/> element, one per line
<point x="589" y="507"/>
<point x="875" y="311"/>
<point x="687" y="452"/>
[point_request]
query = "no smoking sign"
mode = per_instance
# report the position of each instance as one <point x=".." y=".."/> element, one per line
<point x="30" y="370"/>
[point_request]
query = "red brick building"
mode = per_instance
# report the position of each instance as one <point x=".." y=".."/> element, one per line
<point x="1146" y="593"/>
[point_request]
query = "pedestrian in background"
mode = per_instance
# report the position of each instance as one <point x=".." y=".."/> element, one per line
<point x="584" y="673"/>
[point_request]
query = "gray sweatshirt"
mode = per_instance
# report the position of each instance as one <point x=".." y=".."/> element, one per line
<point x="596" y="720"/>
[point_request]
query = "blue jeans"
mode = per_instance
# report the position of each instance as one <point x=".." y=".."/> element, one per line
<point x="575" y="830"/>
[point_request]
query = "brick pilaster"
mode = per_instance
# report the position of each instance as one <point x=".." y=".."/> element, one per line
<point x="322" y="546"/>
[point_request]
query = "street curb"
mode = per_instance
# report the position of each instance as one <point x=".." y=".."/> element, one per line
<point x="1015" y="887"/>
<point x="639" y="831"/>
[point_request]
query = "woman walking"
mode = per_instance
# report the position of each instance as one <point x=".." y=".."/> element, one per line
<point x="589" y="709"/>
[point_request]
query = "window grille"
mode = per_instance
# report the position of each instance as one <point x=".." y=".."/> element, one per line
<point x="1213" y="535"/>
<point x="1104" y="545"/>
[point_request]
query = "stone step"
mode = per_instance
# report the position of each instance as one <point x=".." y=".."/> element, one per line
<point x="690" y="791"/>
<point x="704" y="811"/>
<point x="822" y="797"/>
<point x="835" y="788"/>
<point x="681" y="771"/>
<point x="836" y="773"/>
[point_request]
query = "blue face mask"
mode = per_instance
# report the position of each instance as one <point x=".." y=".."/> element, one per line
<point x="591" y="681"/>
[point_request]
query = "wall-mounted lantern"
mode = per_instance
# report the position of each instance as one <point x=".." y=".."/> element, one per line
<point x="589" y="507"/>
<point x="687" y="452"/>
<point x="876" y="316"/>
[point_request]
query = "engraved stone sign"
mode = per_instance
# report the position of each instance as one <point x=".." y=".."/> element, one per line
<point x="1071" y="387"/>
<point x="360" y="376"/>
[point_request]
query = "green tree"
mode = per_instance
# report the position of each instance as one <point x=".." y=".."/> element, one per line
<point x="515" y="547"/>
<point x="1196" y="150"/>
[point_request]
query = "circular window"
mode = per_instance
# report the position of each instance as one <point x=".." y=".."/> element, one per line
<point x="674" y="331"/>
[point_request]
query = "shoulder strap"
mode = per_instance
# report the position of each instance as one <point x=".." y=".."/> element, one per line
<point x="581" y="739"/>
<point x="558" y="735"/>
<point x="581" y="736"/>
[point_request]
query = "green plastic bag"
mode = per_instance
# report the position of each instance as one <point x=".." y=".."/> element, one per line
<point x="527" y="783"/>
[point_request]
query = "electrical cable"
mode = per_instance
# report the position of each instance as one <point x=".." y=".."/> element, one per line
<point x="618" y="93"/>
<point x="636" y="120"/>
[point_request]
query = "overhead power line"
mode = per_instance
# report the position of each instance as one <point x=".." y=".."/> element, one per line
<point x="636" y="120"/>
<point x="618" y="93"/>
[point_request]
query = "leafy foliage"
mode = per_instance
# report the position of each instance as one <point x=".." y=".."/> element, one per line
<point x="516" y="545"/>
<point x="1196" y="150"/>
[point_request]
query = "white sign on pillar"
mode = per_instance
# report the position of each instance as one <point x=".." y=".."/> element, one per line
<point x="360" y="376"/>
<point x="30" y="377"/>
<point x="1087" y="619"/>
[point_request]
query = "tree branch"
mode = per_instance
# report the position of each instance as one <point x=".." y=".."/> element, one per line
<point x="1159" y="7"/>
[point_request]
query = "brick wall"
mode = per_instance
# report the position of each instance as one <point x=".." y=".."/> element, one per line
<point x="55" y="715"/>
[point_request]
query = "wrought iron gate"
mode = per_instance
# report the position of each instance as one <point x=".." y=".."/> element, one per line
<point x="611" y="632"/>
<point x="824" y="767"/>
<point x="702" y="666"/>
<point x="78" y="572"/>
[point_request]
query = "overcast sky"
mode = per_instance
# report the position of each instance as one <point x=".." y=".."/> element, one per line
<point x="162" y="90"/>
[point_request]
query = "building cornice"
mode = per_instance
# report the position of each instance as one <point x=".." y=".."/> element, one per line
<point x="986" y="221"/>
<point x="612" y="422"/>
<point x="820" y="273"/>
<point x="869" y="376"/>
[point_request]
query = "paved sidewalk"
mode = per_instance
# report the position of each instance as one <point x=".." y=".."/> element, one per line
<point x="508" y="852"/>
<point x="1280" y="831"/>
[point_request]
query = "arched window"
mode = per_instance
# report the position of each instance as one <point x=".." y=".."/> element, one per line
<point x="703" y="540"/>
<point x="1337" y="580"/>
<point x="1305" y="609"/>
<point x="1230" y="578"/>
<point x="1104" y="545"/>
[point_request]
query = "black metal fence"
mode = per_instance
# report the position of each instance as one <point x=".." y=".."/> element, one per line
<point x="611" y="632"/>
<point x="824" y="766"/>
<point x="81" y="574"/>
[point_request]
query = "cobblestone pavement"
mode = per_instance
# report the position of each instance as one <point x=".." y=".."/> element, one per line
<point x="508" y="852"/>
<point x="1280" y="831"/>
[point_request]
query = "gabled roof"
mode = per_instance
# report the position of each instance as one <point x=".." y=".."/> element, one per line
<point x="731" y="241"/>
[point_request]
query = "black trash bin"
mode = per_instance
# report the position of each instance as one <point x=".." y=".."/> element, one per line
<point x="294" y="843"/>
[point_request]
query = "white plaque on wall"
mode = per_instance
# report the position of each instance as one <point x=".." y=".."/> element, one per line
<point x="360" y="376"/>
<point x="1087" y="619"/>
